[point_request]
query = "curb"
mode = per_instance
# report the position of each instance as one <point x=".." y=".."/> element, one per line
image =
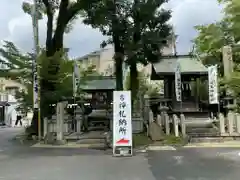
<point x="233" y="144"/>
<point x="68" y="145"/>
<point x="161" y="148"/>
<point x="74" y="145"/>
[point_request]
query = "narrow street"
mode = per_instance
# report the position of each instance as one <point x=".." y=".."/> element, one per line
<point x="21" y="162"/>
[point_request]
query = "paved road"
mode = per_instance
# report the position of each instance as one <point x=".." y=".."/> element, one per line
<point x="196" y="164"/>
<point x="21" y="163"/>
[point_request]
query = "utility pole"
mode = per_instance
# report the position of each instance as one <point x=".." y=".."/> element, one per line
<point x="36" y="82"/>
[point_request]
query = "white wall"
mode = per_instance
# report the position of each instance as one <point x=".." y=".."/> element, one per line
<point x="106" y="62"/>
<point x="11" y="113"/>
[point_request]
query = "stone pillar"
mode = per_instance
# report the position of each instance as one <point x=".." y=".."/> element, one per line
<point x="151" y="117"/>
<point x="159" y="120"/>
<point x="53" y="124"/>
<point x="79" y="118"/>
<point x="166" y="122"/>
<point x="146" y="108"/>
<point x="222" y="124"/>
<point x="230" y="119"/>
<point x="183" y="125"/>
<point x="60" y="121"/>
<point x="237" y="118"/>
<point x="163" y="118"/>
<point x="45" y="126"/>
<point x="175" y="125"/>
<point x="150" y="121"/>
<point x="227" y="61"/>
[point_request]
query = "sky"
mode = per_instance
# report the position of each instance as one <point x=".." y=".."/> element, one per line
<point x="17" y="27"/>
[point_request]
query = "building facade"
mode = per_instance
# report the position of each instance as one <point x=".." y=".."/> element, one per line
<point x="8" y="102"/>
<point x="104" y="62"/>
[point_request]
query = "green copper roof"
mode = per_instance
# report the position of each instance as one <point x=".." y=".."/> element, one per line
<point x="99" y="84"/>
<point x="189" y="65"/>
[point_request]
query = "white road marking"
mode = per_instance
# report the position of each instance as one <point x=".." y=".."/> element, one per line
<point x="179" y="159"/>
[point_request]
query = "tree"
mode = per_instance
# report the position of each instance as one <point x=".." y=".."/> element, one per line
<point x="18" y="68"/>
<point x="209" y="42"/>
<point x="67" y="11"/>
<point x="231" y="17"/>
<point x="148" y="34"/>
<point x="110" y="17"/>
<point x="212" y="37"/>
<point x="17" y="64"/>
<point x="145" y="86"/>
<point x="41" y="12"/>
<point x="137" y="29"/>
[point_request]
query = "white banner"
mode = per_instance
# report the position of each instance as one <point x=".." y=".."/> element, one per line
<point x="122" y="119"/>
<point x="213" y="85"/>
<point x="35" y="84"/>
<point x="125" y="70"/>
<point x="178" y="82"/>
<point x="76" y="78"/>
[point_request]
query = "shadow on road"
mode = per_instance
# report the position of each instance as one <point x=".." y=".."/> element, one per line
<point x="189" y="165"/>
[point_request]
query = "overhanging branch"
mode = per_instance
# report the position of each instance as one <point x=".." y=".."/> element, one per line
<point x="61" y="24"/>
<point x="49" y="25"/>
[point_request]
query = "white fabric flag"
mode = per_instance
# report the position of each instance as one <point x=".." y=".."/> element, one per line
<point x="76" y="78"/>
<point x="213" y="85"/>
<point x="35" y="85"/>
<point x="125" y="74"/>
<point x="178" y="82"/>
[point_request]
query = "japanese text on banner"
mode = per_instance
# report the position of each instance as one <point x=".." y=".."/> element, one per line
<point x="122" y="122"/>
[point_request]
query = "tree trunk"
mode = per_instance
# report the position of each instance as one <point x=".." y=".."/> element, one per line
<point x="118" y="70"/>
<point x="54" y="43"/>
<point x="134" y="83"/>
<point x="34" y="123"/>
<point x="118" y="46"/>
<point x="119" y="57"/>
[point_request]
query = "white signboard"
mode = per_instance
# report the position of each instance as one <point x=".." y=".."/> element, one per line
<point x="122" y="120"/>
<point x="178" y="82"/>
<point x="213" y="85"/>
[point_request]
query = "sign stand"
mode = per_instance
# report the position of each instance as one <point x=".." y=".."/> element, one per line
<point x="122" y="124"/>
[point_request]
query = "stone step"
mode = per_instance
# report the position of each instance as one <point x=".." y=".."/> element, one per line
<point x="87" y="135"/>
<point x="205" y="139"/>
<point x="200" y="129"/>
<point x="202" y="132"/>
<point x="199" y="122"/>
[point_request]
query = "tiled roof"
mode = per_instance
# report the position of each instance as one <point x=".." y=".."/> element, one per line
<point x="188" y="65"/>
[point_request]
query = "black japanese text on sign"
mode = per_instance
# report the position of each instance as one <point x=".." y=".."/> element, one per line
<point x="122" y="116"/>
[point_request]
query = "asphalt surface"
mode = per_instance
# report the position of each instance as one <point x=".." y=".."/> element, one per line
<point x="19" y="162"/>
